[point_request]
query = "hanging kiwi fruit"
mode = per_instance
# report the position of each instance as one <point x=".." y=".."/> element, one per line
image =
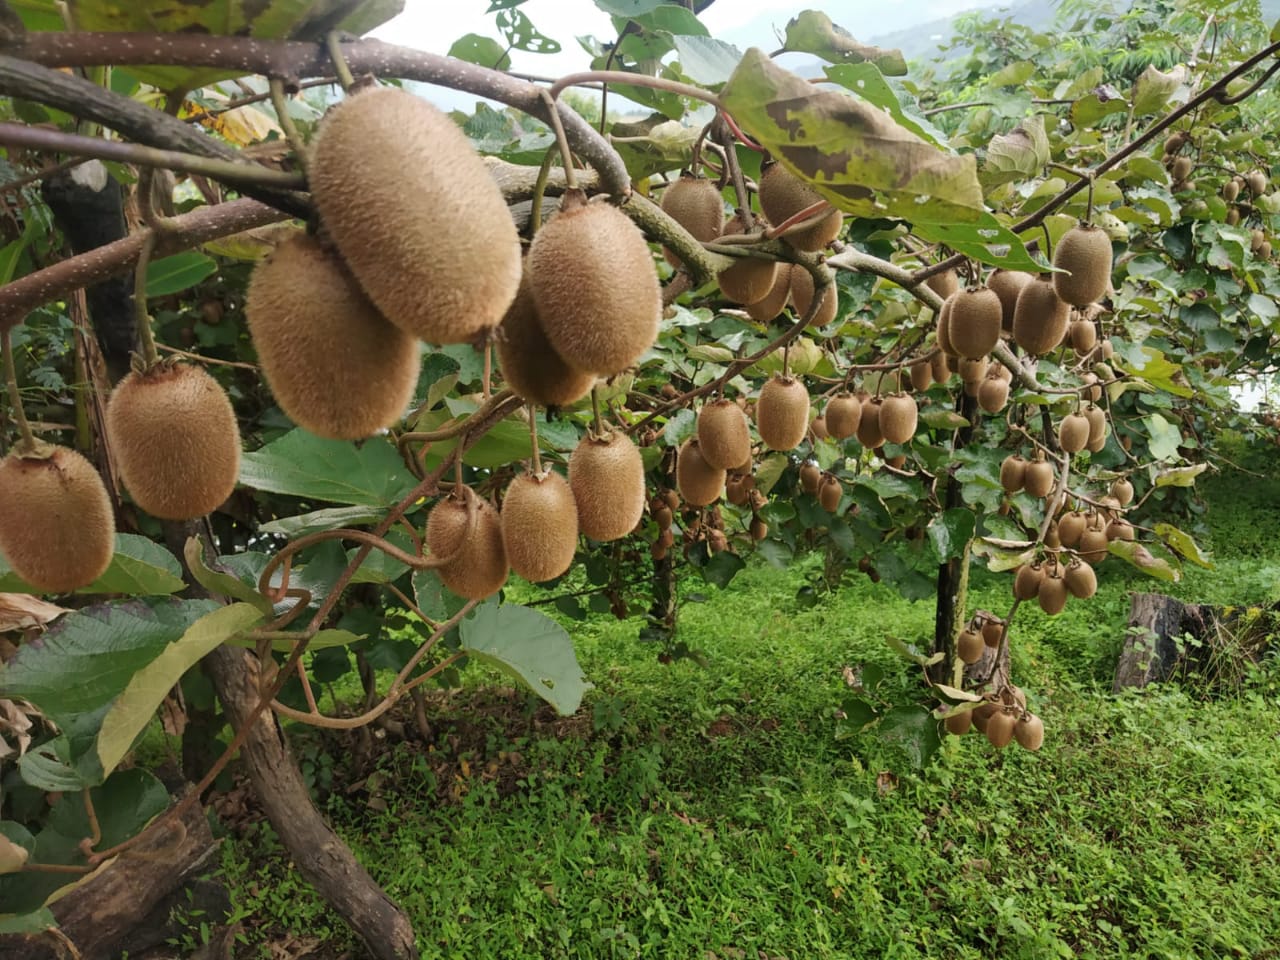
<point x="783" y="195"/>
<point x="724" y="436"/>
<point x="694" y="203"/>
<point x="700" y="483"/>
<point x="539" y="525"/>
<point x="1084" y="253"/>
<point x="529" y="364"/>
<point x="465" y="532"/>
<point x="782" y="413"/>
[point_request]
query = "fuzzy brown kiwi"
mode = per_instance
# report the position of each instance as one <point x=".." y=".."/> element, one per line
<point x="869" y="433"/>
<point x="982" y="715"/>
<point x="1040" y="318"/>
<point x="595" y="287"/>
<point x="818" y="427"/>
<point x="843" y="413"/>
<point x="695" y="204"/>
<point x="1070" y="528"/>
<point x="810" y="478"/>
<point x="1122" y="490"/>
<point x="944" y="326"/>
<point x="802" y="288"/>
<point x="1080" y="579"/>
<point x="775" y="301"/>
<point x="940" y="367"/>
<point x="1083" y="335"/>
<point x="783" y="195"/>
<point x="1029" y="732"/>
<point x="992" y="632"/>
<point x="944" y="284"/>
<point x="724" y="436"/>
<point x="432" y="244"/>
<point x="993" y="394"/>
<point x="1091" y="388"/>
<point x="1052" y="596"/>
<point x="829" y="493"/>
<point x="335" y="365"/>
<point x="1000" y="729"/>
<point x="759" y="529"/>
<point x="700" y="483"/>
<point x="175" y="440"/>
<point x="1119" y="530"/>
<point x="1093" y="545"/>
<point x="1230" y="191"/>
<point x="750" y="279"/>
<point x="529" y="364"/>
<point x="1026" y="582"/>
<point x="539" y="525"/>
<point x="1038" y="480"/>
<point x="1073" y="432"/>
<point x="475" y="559"/>
<point x="973" y="369"/>
<point x="970" y="646"/>
<point x="974" y="326"/>
<point x="1256" y="180"/>
<point x="1085" y="253"/>
<point x="1181" y="169"/>
<point x="1013" y="473"/>
<point x="1007" y="284"/>
<point x="921" y="376"/>
<point x="606" y="475"/>
<point x="899" y="416"/>
<point x="959" y="723"/>
<point x="57" y="530"/>
<point x="782" y="413"/>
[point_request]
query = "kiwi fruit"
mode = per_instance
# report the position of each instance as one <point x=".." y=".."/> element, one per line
<point x="1122" y="490"/>
<point x="595" y="287"/>
<point x="944" y="284"/>
<point x="1000" y="729"/>
<point x="970" y="646"/>
<point x="992" y="632"/>
<point x="1256" y="239"/>
<point x="1038" y="479"/>
<point x="529" y="364"/>
<point x="175" y="440"/>
<point x="899" y="416"/>
<point x="843" y="413"/>
<point x="606" y="474"/>
<point x="1083" y="336"/>
<point x="1029" y="732"/>
<point x="1256" y="180"/>
<point x="974" y="324"/>
<point x="700" y="483"/>
<point x="818" y="427"/>
<point x="1230" y="191"/>
<point x="1085" y="253"/>
<point x="782" y="413"/>
<point x="1040" y="317"/>
<point x="1052" y="595"/>
<point x="1119" y="530"/>
<point x="539" y="525"/>
<point x="1181" y="169"/>
<point x="475" y="559"/>
<point x="944" y="326"/>
<point x="1093" y="545"/>
<point x="695" y="204"/>
<point x="982" y="715"/>
<point x="921" y="376"/>
<point x="869" y="433"/>
<point x="335" y="365"/>
<point x="1073" y="432"/>
<point x="432" y="244"/>
<point x="1013" y="473"/>
<point x="57" y="529"/>
<point x="735" y="492"/>
<point x="783" y="195"/>
<point x="1007" y="284"/>
<point x="993" y="394"/>
<point x="1097" y="418"/>
<point x="1080" y="580"/>
<point x="829" y="493"/>
<point x="810" y="478"/>
<point x="940" y="367"/>
<point x="802" y="288"/>
<point x="973" y="369"/>
<point x="775" y="301"/>
<point x="1026" y="582"/>
<point x="1070" y="528"/>
<point x="750" y="279"/>
<point x="724" y="436"/>
<point x="897" y="462"/>
<point x="1091" y="388"/>
<point x="959" y="723"/>
<point x="662" y="516"/>
<point x="1233" y="216"/>
<point x="759" y="529"/>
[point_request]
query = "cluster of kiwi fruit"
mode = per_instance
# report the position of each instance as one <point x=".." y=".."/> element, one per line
<point x="983" y="630"/>
<point x="1240" y="191"/>
<point x="1002" y="719"/>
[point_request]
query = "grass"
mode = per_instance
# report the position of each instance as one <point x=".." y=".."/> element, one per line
<point x="711" y="813"/>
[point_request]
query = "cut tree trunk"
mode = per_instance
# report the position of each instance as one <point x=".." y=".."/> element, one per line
<point x="322" y="857"/>
<point x="1150" y="653"/>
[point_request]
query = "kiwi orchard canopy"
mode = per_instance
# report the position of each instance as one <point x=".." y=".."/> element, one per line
<point x="605" y="356"/>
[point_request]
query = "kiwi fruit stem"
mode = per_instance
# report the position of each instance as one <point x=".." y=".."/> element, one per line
<point x="566" y="155"/>
<point x="533" y="438"/>
<point x="28" y="442"/>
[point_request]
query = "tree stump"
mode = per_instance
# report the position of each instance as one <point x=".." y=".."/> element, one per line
<point x="1151" y="652"/>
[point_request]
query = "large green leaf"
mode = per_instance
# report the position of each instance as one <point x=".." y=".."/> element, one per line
<point x="705" y="60"/>
<point x="950" y="532"/>
<point x="1019" y="154"/>
<point x="813" y="32"/>
<point x="223" y="582"/>
<point x="1182" y="544"/>
<point x="530" y="647"/>
<point x="139" y="567"/>
<point x="856" y="156"/>
<point x="133" y="709"/>
<point x="301" y="464"/>
<point x="864" y="80"/>
<point x="179" y="272"/>
<point x="914" y="731"/>
<point x="1145" y="560"/>
<point x="320" y="520"/>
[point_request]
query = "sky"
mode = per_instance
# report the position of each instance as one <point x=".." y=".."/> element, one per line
<point x="433" y="25"/>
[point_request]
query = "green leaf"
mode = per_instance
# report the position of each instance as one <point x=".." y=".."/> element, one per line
<point x="179" y="272"/>
<point x="628" y="8"/>
<point x="1163" y="438"/>
<point x="1153" y="88"/>
<point x="722" y="568"/>
<point x="1182" y="544"/>
<point x="985" y="239"/>
<point x="1019" y="154"/>
<point x="521" y="34"/>
<point x="914" y="731"/>
<point x="813" y="32"/>
<point x="1180" y="476"/>
<point x="866" y="81"/>
<point x="705" y="60"/>
<point x="139" y="567"/>
<point x="36" y="921"/>
<point x="43" y="769"/>
<point x="1142" y="558"/>
<point x="133" y="709"/>
<point x="911" y="653"/>
<point x="956" y="694"/>
<point x="486" y="51"/>
<point x="856" y="156"/>
<point x="950" y="532"/>
<point x="319" y="520"/>
<point x="222" y="583"/>
<point x="300" y="464"/>
<point x="940" y="418"/>
<point x="1090" y="109"/>
<point x="1000" y="556"/>
<point x="530" y="647"/>
<point x="769" y="471"/>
